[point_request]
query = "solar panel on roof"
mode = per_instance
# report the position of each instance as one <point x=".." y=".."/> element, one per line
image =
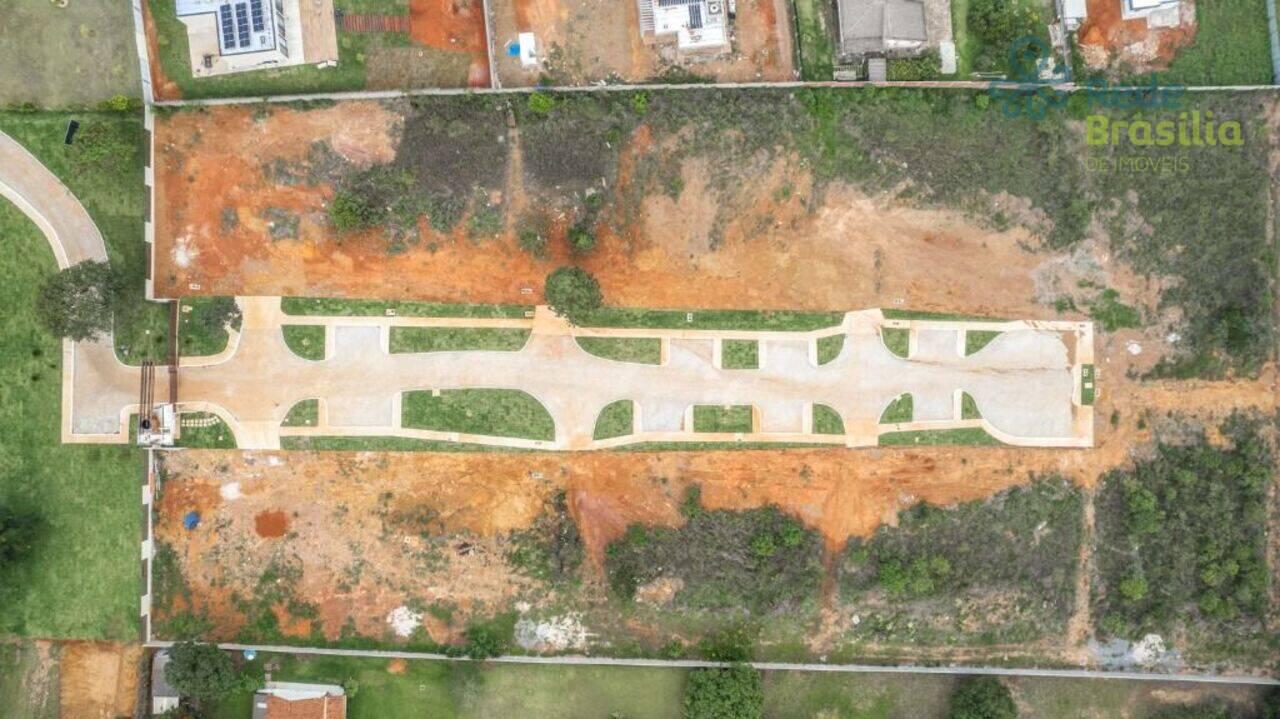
<point x="695" y="17"/>
<point x="255" y="9"/>
<point x="228" y="30"/>
<point x="677" y="3"/>
<point x="242" y="24"/>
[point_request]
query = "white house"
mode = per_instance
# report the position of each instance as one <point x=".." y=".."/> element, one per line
<point x="236" y="35"/>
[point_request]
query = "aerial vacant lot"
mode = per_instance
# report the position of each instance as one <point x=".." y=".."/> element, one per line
<point x="783" y="198"/>
<point x="56" y="57"/>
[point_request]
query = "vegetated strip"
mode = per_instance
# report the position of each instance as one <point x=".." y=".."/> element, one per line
<point x="339" y="307"/>
<point x="751" y="320"/>
<point x="642" y="350"/>
<point x="935" y="437"/>
<point x="454" y="339"/>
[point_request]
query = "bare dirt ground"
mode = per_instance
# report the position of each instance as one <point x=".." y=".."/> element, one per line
<point x="99" y="680"/>
<point x="586" y="41"/>
<point x="455" y="26"/>
<point x="779" y="247"/>
<point x="1108" y="40"/>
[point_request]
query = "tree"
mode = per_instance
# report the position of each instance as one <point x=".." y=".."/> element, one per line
<point x="573" y="293"/>
<point x="733" y="693"/>
<point x="17" y="536"/>
<point x="200" y="671"/>
<point x="982" y="698"/>
<point x="77" y="302"/>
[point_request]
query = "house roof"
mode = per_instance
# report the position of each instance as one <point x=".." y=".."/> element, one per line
<point x="289" y="700"/>
<point x="875" y="25"/>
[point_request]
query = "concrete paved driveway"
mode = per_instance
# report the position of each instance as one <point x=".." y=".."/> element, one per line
<point x="1025" y="382"/>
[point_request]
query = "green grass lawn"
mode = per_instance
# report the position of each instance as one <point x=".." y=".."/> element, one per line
<point x="457" y="690"/>
<point x="617" y="419"/>
<point x="815" y="34"/>
<point x="975" y="340"/>
<point x="897" y="340"/>
<point x="740" y="354"/>
<point x="642" y="350"/>
<point x="461" y="690"/>
<point x="451" y="339"/>
<point x="827" y="420"/>
<point x="114" y="194"/>
<point x="28" y="686"/>
<point x="306" y="341"/>
<point x="339" y="307"/>
<point x="969" y="407"/>
<point x="216" y="436"/>
<point x="199" y="334"/>
<point x="829" y="348"/>
<point x="76" y="55"/>
<point x="1230" y="48"/>
<point x="82" y="581"/>
<point x="303" y="414"/>
<point x="901" y="409"/>
<point x="492" y="412"/>
<point x="938" y="437"/>
<point x="709" y="418"/>
<point x="713" y="319"/>
<point x="175" y="59"/>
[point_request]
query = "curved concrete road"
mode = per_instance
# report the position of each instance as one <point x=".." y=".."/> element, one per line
<point x="74" y="238"/>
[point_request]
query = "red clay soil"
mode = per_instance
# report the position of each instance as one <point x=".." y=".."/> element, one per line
<point x="271" y="524"/>
<point x="161" y="86"/>
<point x="1105" y="28"/>
<point x="456" y="25"/>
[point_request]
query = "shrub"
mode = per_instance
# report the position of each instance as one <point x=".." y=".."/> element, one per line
<point x="581" y="239"/>
<point x="489" y="639"/>
<point x="118" y="103"/>
<point x="350" y="211"/>
<point x="982" y="698"/>
<point x="541" y="103"/>
<point x="732" y="693"/>
<point x="533" y="242"/>
<point x="77" y="302"/>
<point x="573" y="293"/>
<point x="201" y="671"/>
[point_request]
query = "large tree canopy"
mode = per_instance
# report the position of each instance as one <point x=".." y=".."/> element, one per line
<point x="200" y="671"/>
<point x="77" y="302"/>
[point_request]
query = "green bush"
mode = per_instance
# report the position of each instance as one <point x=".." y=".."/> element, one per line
<point x="573" y="294"/>
<point x="350" y="212"/>
<point x="982" y="698"/>
<point x="581" y="239"/>
<point x="77" y="303"/>
<point x="201" y="671"/>
<point x="541" y="103"/>
<point x="533" y="242"/>
<point x="489" y="639"/>
<point x="731" y="693"/>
